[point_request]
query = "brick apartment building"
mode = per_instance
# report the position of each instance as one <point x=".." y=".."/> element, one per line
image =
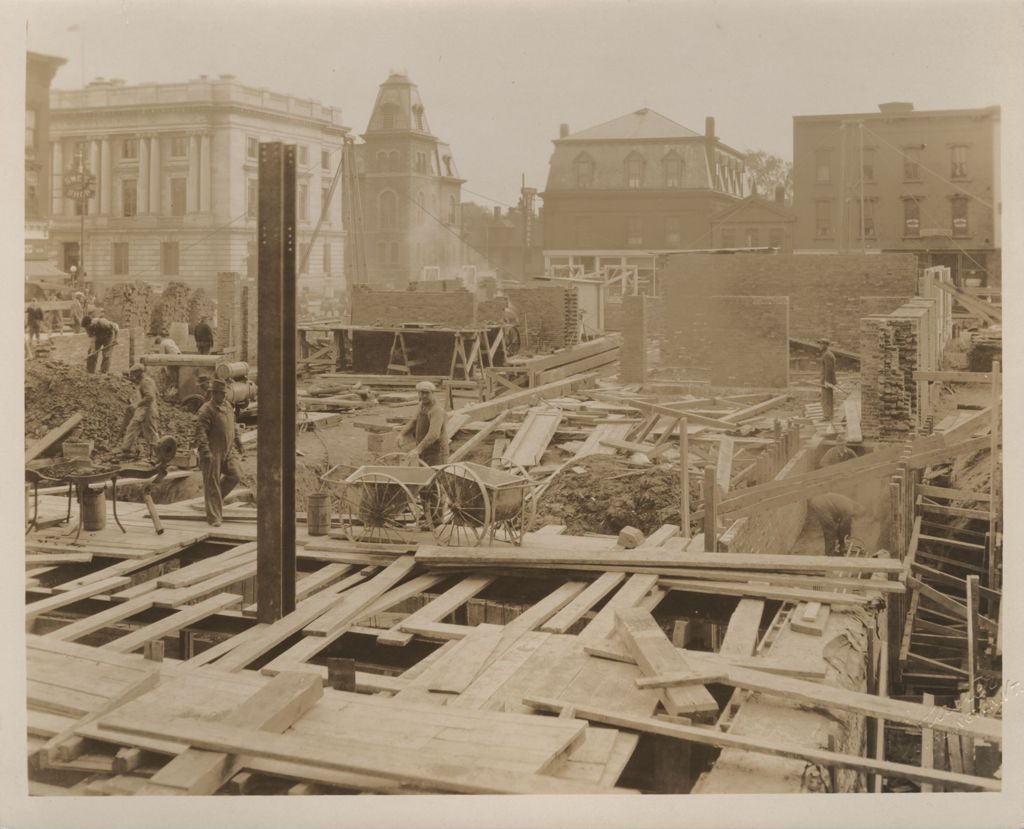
<point x="410" y="191"/>
<point x="512" y="251"/>
<point x="176" y="179"/>
<point x="623" y="192"/>
<point x="755" y="222"/>
<point x="928" y="182"/>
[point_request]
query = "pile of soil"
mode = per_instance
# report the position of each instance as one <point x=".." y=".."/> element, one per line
<point x="55" y="391"/>
<point x="588" y="496"/>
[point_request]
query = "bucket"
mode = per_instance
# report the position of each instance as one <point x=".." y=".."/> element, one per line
<point x="231" y="371"/>
<point x="94" y="509"/>
<point x="318" y="513"/>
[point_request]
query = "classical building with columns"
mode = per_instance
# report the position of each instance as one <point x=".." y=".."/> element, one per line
<point x="176" y="179"/>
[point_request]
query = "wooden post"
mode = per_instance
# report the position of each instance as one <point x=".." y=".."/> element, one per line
<point x="973" y="592"/>
<point x="275" y="535"/>
<point x="684" y="480"/>
<point x="710" y="510"/>
<point x="927" y="746"/>
<point x="341" y="674"/>
<point x="996" y="485"/>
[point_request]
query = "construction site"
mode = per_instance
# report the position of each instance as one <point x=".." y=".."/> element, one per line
<point x="738" y="530"/>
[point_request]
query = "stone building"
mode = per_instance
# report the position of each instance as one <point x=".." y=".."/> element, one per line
<point x="409" y="191"/>
<point x="623" y="192"/>
<point x="176" y="178"/>
<point x="902" y="180"/>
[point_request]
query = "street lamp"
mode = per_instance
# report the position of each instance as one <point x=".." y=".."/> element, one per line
<point x="79" y="185"/>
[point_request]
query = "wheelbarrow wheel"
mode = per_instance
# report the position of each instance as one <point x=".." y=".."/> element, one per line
<point x="377" y="508"/>
<point x="515" y="526"/>
<point x="193" y="403"/>
<point x="458" y="507"/>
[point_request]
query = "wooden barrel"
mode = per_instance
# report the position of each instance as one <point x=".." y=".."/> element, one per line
<point x="94" y="509"/>
<point x="318" y="513"/>
<point x="231" y="371"/>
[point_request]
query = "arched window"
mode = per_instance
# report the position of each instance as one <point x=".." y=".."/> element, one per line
<point x="394" y="161"/>
<point x="634" y="170"/>
<point x="382" y="162"/>
<point x="584" y="168"/>
<point x="672" y="165"/>
<point x="387" y="210"/>
<point x="420" y="208"/>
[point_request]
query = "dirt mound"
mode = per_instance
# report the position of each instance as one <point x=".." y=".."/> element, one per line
<point x="55" y="391"/>
<point x="602" y="495"/>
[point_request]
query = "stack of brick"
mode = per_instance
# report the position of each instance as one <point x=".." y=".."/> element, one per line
<point x="436" y="285"/>
<point x="889" y="357"/>
<point x="633" y="354"/>
<point x="451" y="309"/>
<point x="491" y="311"/>
<point x="250" y="317"/>
<point x="171" y="307"/>
<point x="229" y="310"/>
<point x="548" y="315"/>
<point x="200" y="304"/>
<point x="129" y="304"/>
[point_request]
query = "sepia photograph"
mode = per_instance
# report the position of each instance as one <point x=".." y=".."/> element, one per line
<point x="601" y="400"/>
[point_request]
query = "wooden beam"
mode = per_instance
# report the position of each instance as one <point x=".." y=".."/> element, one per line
<point x="435" y="610"/>
<point x="477" y="439"/>
<point x="710" y="510"/>
<point x="742" y="633"/>
<point x="763" y="591"/>
<point x="954" y="376"/>
<point x="574" y="611"/>
<point x="723" y="469"/>
<point x="56" y="434"/>
<point x="492" y="408"/>
<point x="952" y="494"/>
<point x="173" y="623"/>
<point x="59" y="600"/>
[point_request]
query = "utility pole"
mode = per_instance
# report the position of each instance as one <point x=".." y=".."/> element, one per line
<point x="526" y="197"/>
<point x="863" y="237"/>
<point x="79" y="186"/>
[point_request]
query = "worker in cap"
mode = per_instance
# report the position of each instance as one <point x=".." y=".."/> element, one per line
<point x="220" y="450"/>
<point x="427" y="428"/>
<point x="143" y="413"/>
<point x="837" y="454"/>
<point x="835" y="514"/>
<point x="828" y="379"/>
<point x="103" y="333"/>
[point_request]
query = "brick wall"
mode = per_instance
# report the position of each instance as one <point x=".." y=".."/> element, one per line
<point x="250" y="316"/>
<point x="491" y="310"/>
<point x="435" y="285"/>
<point x="548" y="314"/>
<point x="888" y="349"/>
<point x="824" y="291"/>
<point x="229" y="310"/>
<point x="633" y="354"/>
<point x="448" y="308"/>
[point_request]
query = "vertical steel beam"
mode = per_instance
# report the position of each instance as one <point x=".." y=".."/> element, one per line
<point x="275" y="472"/>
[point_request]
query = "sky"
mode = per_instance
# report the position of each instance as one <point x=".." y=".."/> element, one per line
<point x="498" y="78"/>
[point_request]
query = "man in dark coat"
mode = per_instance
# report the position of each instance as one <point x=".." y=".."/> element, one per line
<point x="220" y="451"/>
<point x="204" y="336"/>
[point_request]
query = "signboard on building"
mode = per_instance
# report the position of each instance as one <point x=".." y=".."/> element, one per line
<point x="79" y="185"/>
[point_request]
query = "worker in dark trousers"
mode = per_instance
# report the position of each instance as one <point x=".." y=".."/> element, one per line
<point x="144" y="413"/>
<point x="835" y="514"/>
<point x="828" y="379"/>
<point x="204" y="336"/>
<point x="104" y="337"/>
<point x="837" y="454"/>
<point x="34" y="322"/>
<point x="427" y="428"/>
<point x="220" y="451"/>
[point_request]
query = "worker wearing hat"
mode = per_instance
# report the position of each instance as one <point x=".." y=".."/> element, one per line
<point x="835" y="514"/>
<point x="427" y="428"/>
<point x="220" y="450"/>
<point x="142" y="415"/>
<point x="828" y="379"/>
<point x="837" y="454"/>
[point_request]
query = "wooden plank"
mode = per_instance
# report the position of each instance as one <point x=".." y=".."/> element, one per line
<point x="629" y="595"/>
<point x="207" y="568"/>
<point x="359" y="598"/>
<point x="723" y="468"/>
<point x="477" y="439"/>
<point x="948" y="603"/>
<point x="37" y="447"/>
<point x="491" y="408"/>
<point x="574" y="611"/>
<point x="720" y="739"/>
<point x="755" y="409"/>
<point x="435" y="610"/>
<point x="927" y="747"/>
<point x="840" y="699"/>
<point x="742" y="633"/>
<point x="98" y="621"/>
<point x="595" y="363"/>
<point x="173" y="623"/>
<point x="596" y="442"/>
<point x="810" y="618"/>
<point x="763" y="591"/>
<point x="653" y="652"/>
<point x="954" y="376"/>
<point x="956" y="512"/>
<point x="952" y="494"/>
<point x="533" y="437"/>
<point x="59" y="600"/>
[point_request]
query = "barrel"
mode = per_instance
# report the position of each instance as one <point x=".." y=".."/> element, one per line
<point x="318" y="513"/>
<point x="231" y="371"/>
<point x="94" y="509"/>
<point x="240" y="391"/>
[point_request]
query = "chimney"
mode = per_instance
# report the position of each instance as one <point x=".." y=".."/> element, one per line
<point x="896" y="107"/>
<point x="780" y="194"/>
<point x="563" y="130"/>
<point x="497" y="212"/>
<point x="709" y="127"/>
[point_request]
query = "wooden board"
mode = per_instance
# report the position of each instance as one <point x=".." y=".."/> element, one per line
<point x="533" y="437"/>
<point x="636" y="588"/>
<point x="435" y="610"/>
<point x="810" y="618"/>
<point x="591" y="595"/>
<point x="741" y="635"/>
<point x="59" y="600"/>
<point x="173" y="623"/>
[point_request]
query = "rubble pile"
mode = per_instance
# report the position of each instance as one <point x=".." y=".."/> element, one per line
<point x="599" y="494"/>
<point x="56" y="391"/>
<point x="129" y="304"/>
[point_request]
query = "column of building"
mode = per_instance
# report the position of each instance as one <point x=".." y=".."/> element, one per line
<point x="205" y="173"/>
<point x="154" y="175"/>
<point x="192" y="201"/>
<point x="142" y="180"/>
<point x="57" y="179"/>
<point x="94" y="164"/>
<point x="105" y="178"/>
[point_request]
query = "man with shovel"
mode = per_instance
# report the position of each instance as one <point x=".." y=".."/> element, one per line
<point x="104" y="337"/>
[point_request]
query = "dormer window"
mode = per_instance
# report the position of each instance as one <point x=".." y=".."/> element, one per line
<point x="634" y="171"/>
<point x="584" y="166"/>
<point x="387" y="116"/>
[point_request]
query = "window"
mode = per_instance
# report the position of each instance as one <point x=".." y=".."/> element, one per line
<point x="325" y="159"/>
<point x="584" y="171"/>
<point x="303" y="202"/>
<point x="252" y="147"/>
<point x="129" y="194"/>
<point x="911" y="163"/>
<point x="119" y="256"/>
<point x="635" y="232"/>
<point x="911" y="217"/>
<point x="252" y="198"/>
<point x="728" y="237"/>
<point x="387" y="210"/>
<point x="417" y="112"/>
<point x="823" y="166"/>
<point x="453" y="211"/>
<point x="634" y="171"/>
<point x="325" y="200"/>
<point x="776" y="237"/>
<point x="420" y="209"/>
<point x="169" y="258"/>
<point x="30" y="133"/>
<point x="303" y="154"/>
<point x="387" y="117"/>
<point x="672" y="230"/>
<point x="327" y="257"/>
<point x="179" y="197"/>
<point x="394" y="253"/>
<point x="673" y="166"/>
<point x="130" y="148"/>
<point x="753" y="237"/>
<point x="823" y="219"/>
<point x="866" y="227"/>
<point x="958" y="161"/>
<point x="868" y="165"/>
<point x="179" y="146"/>
<point x="960" y="226"/>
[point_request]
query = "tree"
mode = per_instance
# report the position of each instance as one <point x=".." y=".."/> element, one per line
<point x="766" y="171"/>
